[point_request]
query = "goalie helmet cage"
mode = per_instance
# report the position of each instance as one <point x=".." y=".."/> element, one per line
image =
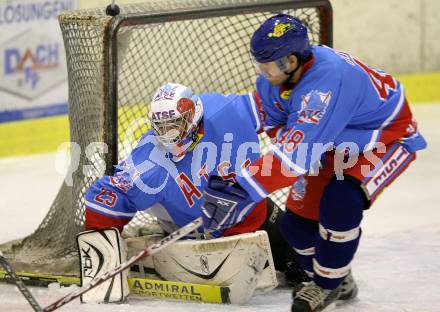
<point x="115" y="64"/>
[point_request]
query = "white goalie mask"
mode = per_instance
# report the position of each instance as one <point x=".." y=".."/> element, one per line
<point x="175" y="114"/>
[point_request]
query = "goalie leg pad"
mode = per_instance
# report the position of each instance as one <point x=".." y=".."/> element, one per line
<point x="242" y="262"/>
<point x="99" y="252"/>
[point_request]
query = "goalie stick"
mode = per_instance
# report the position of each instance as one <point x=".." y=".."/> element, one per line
<point x="24" y="290"/>
<point x="139" y="287"/>
<point x="150" y="250"/>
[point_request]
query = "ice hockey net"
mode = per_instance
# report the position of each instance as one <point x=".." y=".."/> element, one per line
<point x="114" y="67"/>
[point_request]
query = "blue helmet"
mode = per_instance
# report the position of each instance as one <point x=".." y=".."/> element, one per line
<point x="279" y="36"/>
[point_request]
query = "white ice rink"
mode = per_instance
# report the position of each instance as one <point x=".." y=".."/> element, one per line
<point x="397" y="266"/>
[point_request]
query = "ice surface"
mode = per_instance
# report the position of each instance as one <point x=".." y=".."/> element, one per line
<point x="396" y="267"/>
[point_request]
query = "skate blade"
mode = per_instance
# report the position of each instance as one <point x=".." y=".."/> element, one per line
<point x="339" y="303"/>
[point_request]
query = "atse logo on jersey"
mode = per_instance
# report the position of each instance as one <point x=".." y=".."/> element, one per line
<point x="313" y="106"/>
<point x="163" y="114"/>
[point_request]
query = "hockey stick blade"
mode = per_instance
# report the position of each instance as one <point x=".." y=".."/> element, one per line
<point x="23" y="289"/>
<point x="150" y="250"/>
<point x="139" y="287"/>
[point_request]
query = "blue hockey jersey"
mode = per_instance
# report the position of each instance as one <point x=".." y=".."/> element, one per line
<point x="148" y="179"/>
<point x="339" y="102"/>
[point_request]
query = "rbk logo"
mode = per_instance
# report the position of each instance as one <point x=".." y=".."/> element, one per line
<point x="87" y="263"/>
<point x="89" y="267"/>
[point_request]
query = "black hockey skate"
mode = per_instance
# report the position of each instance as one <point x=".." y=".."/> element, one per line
<point x="294" y="274"/>
<point x="312" y="298"/>
<point x="309" y="297"/>
<point x="348" y="289"/>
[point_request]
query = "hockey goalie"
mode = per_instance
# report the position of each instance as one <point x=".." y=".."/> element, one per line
<point x="196" y="146"/>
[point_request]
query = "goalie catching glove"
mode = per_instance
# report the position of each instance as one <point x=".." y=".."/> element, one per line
<point x="225" y="204"/>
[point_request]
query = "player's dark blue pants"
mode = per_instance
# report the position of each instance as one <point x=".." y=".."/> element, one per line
<point x="324" y="214"/>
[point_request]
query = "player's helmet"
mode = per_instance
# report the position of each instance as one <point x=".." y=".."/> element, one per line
<point x="175" y="114"/>
<point x="280" y="36"/>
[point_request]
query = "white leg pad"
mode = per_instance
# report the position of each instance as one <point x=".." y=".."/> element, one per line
<point x="101" y="251"/>
<point x="242" y="262"/>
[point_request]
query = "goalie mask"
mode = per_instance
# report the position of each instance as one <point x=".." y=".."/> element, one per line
<point x="175" y="114"/>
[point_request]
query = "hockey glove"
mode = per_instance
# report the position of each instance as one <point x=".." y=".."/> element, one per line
<point x="225" y="204"/>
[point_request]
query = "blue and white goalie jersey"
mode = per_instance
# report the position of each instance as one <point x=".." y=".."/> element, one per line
<point x="150" y="180"/>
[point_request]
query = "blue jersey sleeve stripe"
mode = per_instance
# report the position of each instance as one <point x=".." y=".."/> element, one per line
<point x="372" y="143"/>
<point x="266" y="128"/>
<point x="255" y="112"/>
<point x="244" y="212"/>
<point x="109" y="212"/>
<point x="397" y="109"/>
<point x="376" y="133"/>
<point x="252" y="186"/>
<point x="285" y="159"/>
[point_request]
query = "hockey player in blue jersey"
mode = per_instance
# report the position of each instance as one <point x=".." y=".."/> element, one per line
<point x="342" y="132"/>
<point x="193" y="136"/>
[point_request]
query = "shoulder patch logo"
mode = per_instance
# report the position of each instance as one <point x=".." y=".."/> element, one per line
<point x="124" y="179"/>
<point x="280" y="29"/>
<point x="313" y="106"/>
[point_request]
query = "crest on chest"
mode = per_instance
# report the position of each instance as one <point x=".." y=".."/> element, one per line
<point x="314" y="106"/>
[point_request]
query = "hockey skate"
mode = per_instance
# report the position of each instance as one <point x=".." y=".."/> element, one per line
<point x="295" y="275"/>
<point x="348" y="289"/>
<point x="309" y="297"/>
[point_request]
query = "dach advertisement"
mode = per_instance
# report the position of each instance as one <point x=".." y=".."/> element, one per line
<point x="33" y="74"/>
